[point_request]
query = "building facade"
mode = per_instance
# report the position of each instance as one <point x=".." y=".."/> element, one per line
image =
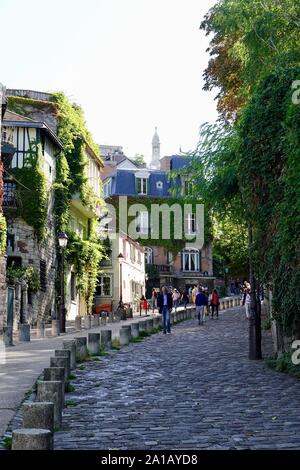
<point x="122" y="275"/>
<point x="36" y="148"/>
<point x="182" y="268"/>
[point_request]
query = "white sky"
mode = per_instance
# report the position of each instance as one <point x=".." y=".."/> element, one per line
<point x="131" y="64"/>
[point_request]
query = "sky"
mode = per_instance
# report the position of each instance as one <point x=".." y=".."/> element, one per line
<point x="131" y="64"/>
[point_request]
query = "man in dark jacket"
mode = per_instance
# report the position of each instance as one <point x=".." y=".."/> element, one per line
<point x="165" y="304"/>
<point x="201" y="301"/>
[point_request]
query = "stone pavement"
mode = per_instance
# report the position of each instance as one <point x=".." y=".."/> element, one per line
<point x="193" y="389"/>
<point x="24" y="363"/>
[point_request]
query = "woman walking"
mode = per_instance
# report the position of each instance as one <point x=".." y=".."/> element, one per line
<point x="215" y="302"/>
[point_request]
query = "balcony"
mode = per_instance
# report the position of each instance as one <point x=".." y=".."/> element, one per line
<point x="163" y="268"/>
<point x="10" y="200"/>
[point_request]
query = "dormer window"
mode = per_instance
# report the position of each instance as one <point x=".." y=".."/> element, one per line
<point x="141" y="185"/>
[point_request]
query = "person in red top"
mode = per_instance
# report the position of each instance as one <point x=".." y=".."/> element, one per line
<point x="215" y="302"/>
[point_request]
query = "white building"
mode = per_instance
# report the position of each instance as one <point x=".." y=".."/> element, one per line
<point x="122" y="276"/>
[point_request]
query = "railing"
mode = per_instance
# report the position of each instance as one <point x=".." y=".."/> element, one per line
<point x="10" y="195"/>
<point x="162" y="268"/>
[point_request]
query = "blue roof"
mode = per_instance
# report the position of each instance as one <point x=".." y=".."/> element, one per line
<point x="123" y="183"/>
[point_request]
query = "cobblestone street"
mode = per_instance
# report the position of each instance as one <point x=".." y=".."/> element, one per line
<point x="193" y="389"/>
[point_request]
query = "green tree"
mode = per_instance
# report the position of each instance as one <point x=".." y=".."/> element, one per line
<point x="249" y="40"/>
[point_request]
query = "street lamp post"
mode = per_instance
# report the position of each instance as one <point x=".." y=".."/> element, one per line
<point x="121" y="305"/>
<point x="62" y="241"/>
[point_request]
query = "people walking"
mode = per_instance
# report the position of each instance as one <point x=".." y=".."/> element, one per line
<point x="215" y="302"/>
<point x="194" y="294"/>
<point x="175" y="298"/>
<point x="185" y="298"/>
<point x="201" y="301"/>
<point x="247" y="300"/>
<point x="165" y="304"/>
<point x="153" y="299"/>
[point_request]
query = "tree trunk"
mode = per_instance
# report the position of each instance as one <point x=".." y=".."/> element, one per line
<point x="254" y="320"/>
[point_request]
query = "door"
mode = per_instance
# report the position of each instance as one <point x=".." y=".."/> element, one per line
<point x="10" y="305"/>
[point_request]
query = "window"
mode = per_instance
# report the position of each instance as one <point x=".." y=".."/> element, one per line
<point x="190" y="260"/>
<point x="43" y="275"/>
<point x="188" y="188"/>
<point x="141" y="185"/>
<point x="106" y="188"/>
<point x="104" y="286"/>
<point x="11" y="242"/>
<point x="169" y="257"/>
<point x="191" y="224"/>
<point x="73" y="287"/>
<point x="142" y="222"/>
<point x="14" y="262"/>
<point x="148" y="255"/>
<point x="132" y="253"/>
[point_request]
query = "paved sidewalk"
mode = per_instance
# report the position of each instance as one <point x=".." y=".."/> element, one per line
<point x="25" y="362"/>
<point x="193" y="389"/>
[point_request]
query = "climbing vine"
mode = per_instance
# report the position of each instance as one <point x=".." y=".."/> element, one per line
<point x="28" y="274"/>
<point x="32" y="191"/>
<point x="83" y="254"/>
<point x="172" y="244"/>
<point x="2" y="234"/>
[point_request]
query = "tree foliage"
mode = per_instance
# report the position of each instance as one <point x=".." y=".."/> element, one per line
<point x="249" y="40"/>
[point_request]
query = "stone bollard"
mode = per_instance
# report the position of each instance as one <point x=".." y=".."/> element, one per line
<point x="95" y="321"/>
<point x="38" y="415"/>
<point x="129" y="312"/>
<point x="61" y="362"/>
<point x="55" y="329"/>
<point x="24" y="332"/>
<point x="110" y="317"/>
<point x="149" y="325"/>
<point x="125" y="335"/>
<point x="117" y="317"/>
<point x="94" y="343"/>
<point x="8" y="336"/>
<point x="87" y="322"/>
<point x="135" y="330"/>
<point x="105" y="339"/>
<point x="40" y="331"/>
<point x="64" y="353"/>
<point x="52" y="391"/>
<point x="81" y="349"/>
<point x="32" y="439"/>
<point x="70" y="345"/>
<point x="143" y="326"/>
<point x="78" y="324"/>
<point x="56" y="374"/>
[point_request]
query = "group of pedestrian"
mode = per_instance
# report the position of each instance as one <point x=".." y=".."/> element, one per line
<point x="206" y="303"/>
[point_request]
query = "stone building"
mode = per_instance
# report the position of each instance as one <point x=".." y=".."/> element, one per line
<point x="2" y="255"/>
<point x="40" y="107"/>
<point x="24" y="249"/>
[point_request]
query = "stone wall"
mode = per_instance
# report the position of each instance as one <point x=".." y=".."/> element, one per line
<point x="2" y="292"/>
<point x="31" y="252"/>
